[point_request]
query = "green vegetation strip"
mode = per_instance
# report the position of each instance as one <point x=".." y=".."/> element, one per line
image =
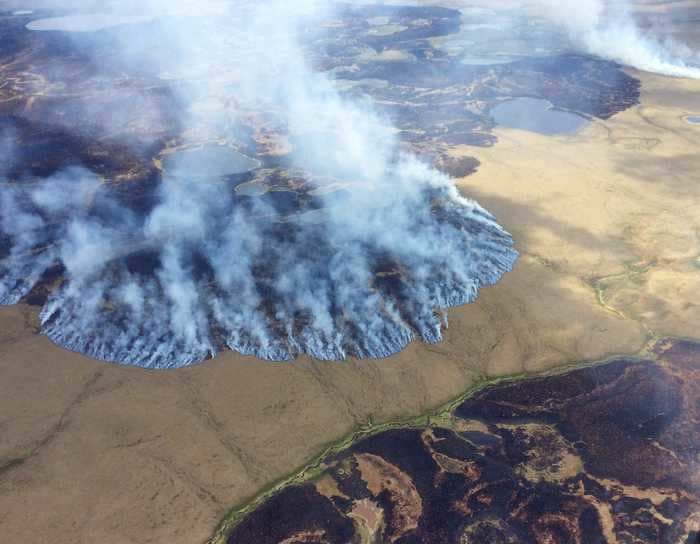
<point x="441" y="416"/>
<point x="11" y="463"/>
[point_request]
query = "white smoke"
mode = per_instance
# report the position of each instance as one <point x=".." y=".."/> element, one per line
<point x="316" y="290"/>
<point x="609" y="29"/>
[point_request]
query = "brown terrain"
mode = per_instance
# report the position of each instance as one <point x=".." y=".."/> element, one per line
<point x="605" y="453"/>
<point x="607" y="222"/>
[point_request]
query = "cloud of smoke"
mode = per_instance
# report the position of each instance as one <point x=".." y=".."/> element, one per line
<point x="610" y="30"/>
<point x="363" y="274"/>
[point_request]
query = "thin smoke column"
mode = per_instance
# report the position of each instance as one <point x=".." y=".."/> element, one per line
<point x="363" y="275"/>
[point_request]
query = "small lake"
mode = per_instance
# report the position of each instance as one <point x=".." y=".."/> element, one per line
<point x="213" y="161"/>
<point x="693" y="119"/>
<point x="477" y="60"/>
<point x="536" y="115"/>
<point x="91" y="22"/>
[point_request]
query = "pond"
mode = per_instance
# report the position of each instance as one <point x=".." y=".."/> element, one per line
<point x="90" y="22"/>
<point x="213" y="161"/>
<point x="487" y="60"/>
<point x="536" y="115"/>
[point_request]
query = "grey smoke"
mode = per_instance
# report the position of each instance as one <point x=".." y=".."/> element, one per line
<point x="610" y="30"/>
<point x="33" y="220"/>
<point x="317" y="292"/>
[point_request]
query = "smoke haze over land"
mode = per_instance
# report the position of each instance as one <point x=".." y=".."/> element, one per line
<point x="361" y="275"/>
<point x="611" y="30"/>
<point x="387" y="243"/>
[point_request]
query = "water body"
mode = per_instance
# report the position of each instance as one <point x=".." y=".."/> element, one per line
<point x="486" y="60"/>
<point x="86" y="23"/>
<point x="386" y="30"/>
<point x="213" y="161"/>
<point x="536" y="115"/>
<point x="693" y="119"/>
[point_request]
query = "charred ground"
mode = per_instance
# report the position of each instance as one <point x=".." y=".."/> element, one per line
<point x="600" y="454"/>
<point x="57" y="109"/>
